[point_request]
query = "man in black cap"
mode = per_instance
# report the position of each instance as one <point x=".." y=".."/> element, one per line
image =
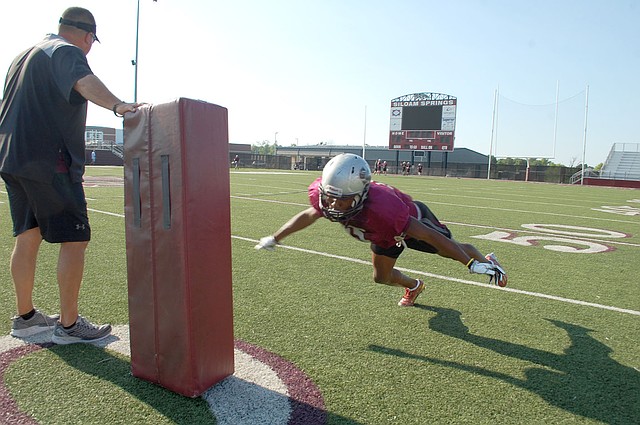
<point x="42" y="122"/>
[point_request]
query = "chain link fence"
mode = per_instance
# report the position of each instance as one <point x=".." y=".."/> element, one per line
<point x="548" y="174"/>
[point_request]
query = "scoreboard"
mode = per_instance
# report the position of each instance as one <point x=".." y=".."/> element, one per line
<point x="423" y="122"/>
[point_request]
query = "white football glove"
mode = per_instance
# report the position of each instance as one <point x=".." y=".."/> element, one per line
<point x="495" y="272"/>
<point x="268" y="242"/>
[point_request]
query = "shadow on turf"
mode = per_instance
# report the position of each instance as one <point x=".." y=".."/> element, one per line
<point x="95" y="361"/>
<point x="584" y="380"/>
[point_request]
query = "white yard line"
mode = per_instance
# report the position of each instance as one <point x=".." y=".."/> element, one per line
<point x="105" y="212"/>
<point x="435" y="276"/>
<point x="528" y="212"/>
<point x="466" y="282"/>
<point x="466" y="206"/>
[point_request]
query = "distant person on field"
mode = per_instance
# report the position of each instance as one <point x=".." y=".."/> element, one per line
<point x="42" y="158"/>
<point x="93" y="157"/>
<point x="236" y="161"/>
<point x="388" y="219"/>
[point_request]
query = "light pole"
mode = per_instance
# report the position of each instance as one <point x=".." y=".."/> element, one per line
<point x="275" y="144"/>
<point x="135" y="61"/>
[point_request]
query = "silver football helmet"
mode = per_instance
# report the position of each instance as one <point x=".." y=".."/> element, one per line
<point x="345" y="176"/>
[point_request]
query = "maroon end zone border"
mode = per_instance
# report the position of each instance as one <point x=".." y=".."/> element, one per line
<point x="9" y="412"/>
<point x="307" y="404"/>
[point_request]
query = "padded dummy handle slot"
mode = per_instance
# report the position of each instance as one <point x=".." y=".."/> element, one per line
<point x="166" y="193"/>
<point x="137" y="222"/>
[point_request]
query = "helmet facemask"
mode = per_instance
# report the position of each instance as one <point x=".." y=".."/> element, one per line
<point x="346" y="176"/>
<point x="341" y="216"/>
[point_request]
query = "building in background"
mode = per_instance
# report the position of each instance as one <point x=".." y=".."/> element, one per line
<point x="106" y="143"/>
<point x="461" y="162"/>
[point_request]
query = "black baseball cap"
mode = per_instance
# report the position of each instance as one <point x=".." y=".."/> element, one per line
<point x="81" y="25"/>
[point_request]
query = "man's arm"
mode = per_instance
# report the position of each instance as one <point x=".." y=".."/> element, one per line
<point x="451" y="249"/>
<point x="298" y="222"/>
<point x="445" y="246"/>
<point x="94" y="90"/>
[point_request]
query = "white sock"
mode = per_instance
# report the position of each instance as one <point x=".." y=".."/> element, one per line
<point x="415" y="287"/>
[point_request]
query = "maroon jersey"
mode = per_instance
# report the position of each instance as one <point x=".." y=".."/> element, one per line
<point x="384" y="218"/>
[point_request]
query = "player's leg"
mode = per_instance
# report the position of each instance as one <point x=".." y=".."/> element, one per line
<point x="384" y="272"/>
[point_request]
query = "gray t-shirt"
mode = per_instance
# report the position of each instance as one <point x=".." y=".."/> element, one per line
<point x="42" y="118"/>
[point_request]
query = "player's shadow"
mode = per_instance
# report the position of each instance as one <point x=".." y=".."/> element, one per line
<point x="584" y="380"/>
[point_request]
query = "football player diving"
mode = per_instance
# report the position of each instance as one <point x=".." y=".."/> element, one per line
<point x="387" y="218"/>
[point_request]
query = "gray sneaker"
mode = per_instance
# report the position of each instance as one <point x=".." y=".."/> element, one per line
<point x="38" y="323"/>
<point x="82" y="331"/>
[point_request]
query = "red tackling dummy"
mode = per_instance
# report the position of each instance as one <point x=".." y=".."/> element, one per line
<point x="178" y="238"/>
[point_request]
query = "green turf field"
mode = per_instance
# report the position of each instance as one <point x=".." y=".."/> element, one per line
<point x="559" y="345"/>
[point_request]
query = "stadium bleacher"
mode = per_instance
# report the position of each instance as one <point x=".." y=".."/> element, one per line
<point x="623" y="162"/>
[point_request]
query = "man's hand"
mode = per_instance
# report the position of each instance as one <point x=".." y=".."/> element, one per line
<point x="494" y="271"/>
<point x="268" y="242"/>
<point x="120" y="108"/>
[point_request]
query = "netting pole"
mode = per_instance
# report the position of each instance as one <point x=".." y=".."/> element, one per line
<point x="364" y="140"/>
<point x="555" y="123"/>
<point x="584" y="138"/>
<point x="493" y="123"/>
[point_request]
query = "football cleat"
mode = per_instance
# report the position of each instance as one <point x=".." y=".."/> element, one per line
<point x="500" y="278"/>
<point x="409" y="298"/>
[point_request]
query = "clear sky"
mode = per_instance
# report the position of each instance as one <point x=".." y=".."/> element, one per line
<point x="326" y="71"/>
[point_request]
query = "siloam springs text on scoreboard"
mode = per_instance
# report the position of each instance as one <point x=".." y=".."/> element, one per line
<point x="423" y="125"/>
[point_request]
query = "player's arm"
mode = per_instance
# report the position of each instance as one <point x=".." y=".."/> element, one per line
<point x="450" y="249"/>
<point x="298" y="222"/>
<point x="445" y="246"/>
<point x="94" y="90"/>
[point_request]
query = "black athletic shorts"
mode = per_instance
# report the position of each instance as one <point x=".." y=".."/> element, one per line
<point x="59" y="208"/>
<point x="427" y="218"/>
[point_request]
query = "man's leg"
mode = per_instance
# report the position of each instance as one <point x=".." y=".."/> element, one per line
<point x="385" y="273"/>
<point x="23" y="268"/>
<point x="70" y="271"/>
<point x="73" y="328"/>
